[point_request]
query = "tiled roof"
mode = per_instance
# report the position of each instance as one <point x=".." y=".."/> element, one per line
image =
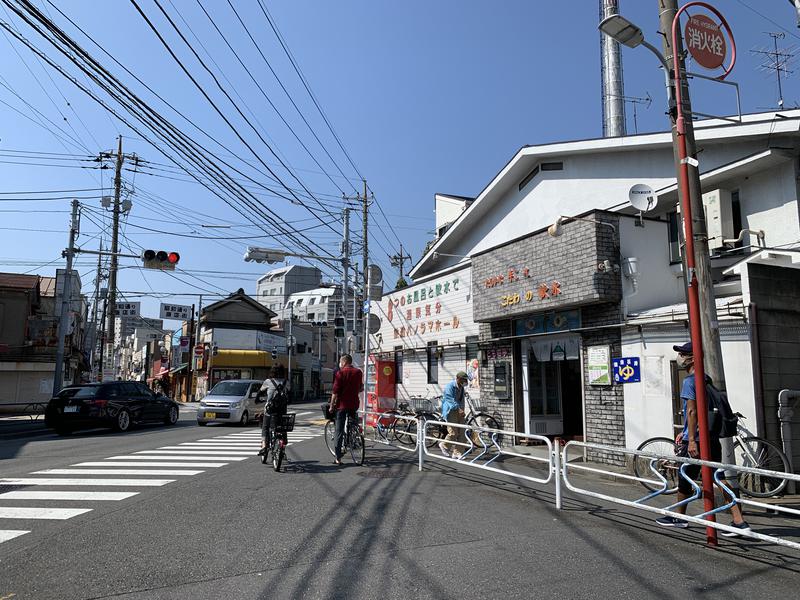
<point x="47" y="287"/>
<point x="18" y="281"/>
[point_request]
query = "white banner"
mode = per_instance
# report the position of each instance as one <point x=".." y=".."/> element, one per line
<point x="179" y="312"/>
<point x="127" y="309"/>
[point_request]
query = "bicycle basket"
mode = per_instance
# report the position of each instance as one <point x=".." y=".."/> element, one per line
<point x="327" y="413"/>
<point x="421" y="404"/>
<point x="285" y="422"/>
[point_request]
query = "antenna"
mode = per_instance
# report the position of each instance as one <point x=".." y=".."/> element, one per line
<point x="777" y="60"/>
<point x="634" y="100"/>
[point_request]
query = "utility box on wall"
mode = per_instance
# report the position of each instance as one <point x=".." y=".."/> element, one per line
<point x="719" y="217"/>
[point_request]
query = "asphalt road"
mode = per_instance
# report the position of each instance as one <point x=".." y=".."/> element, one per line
<point x="383" y="530"/>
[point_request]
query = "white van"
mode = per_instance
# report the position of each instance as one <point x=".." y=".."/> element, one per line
<point x="232" y="401"/>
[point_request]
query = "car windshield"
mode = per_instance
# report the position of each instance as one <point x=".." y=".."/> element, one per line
<point x="230" y="388"/>
<point x="79" y="392"/>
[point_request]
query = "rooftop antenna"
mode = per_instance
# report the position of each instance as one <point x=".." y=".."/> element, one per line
<point x="777" y="60"/>
<point x="634" y="101"/>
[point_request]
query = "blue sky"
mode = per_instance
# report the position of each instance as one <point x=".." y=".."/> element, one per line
<point x="425" y="97"/>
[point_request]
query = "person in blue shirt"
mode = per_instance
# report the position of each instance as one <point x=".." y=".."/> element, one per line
<point x="453" y="412"/>
<point x="687" y="445"/>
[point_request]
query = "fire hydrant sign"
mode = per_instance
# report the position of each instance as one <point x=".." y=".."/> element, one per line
<point x="705" y="41"/>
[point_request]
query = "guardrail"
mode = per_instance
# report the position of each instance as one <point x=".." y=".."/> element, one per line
<point x="34" y="410"/>
<point x="641" y="503"/>
<point x="384" y="431"/>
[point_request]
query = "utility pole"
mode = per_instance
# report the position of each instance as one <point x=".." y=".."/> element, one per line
<point x="66" y="297"/>
<point x="345" y="272"/>
<point x="698" y="275"/>
<point x="290" y="348"/>
<point x="365" y="259"/>
<point x="112" y="274"/>
<point x="95" y="309"/>
<point x="398" y="260"/>
<point x="196" y="342"/>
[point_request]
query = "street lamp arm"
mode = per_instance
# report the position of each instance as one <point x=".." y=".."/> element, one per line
<point x="658" y="54"/>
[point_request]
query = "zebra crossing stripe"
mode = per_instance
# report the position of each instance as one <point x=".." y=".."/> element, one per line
<point x="180" y="450"/>
<point x="121" y="463"/>
<point x="62" y="495"/>
<point x="116" y="472"/>
<point x="88" y="482"/>
<point x="189" y="459"/>
<point x="10" y="534"/>
<point x="58" y="514"/>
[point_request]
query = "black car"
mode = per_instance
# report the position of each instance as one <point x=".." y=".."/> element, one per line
<point x="117" y="404"/>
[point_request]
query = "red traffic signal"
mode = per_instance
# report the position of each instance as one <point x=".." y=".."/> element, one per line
<point x="160" y="259"/>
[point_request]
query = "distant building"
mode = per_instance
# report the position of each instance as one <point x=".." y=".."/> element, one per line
<point x="274" y="288"/>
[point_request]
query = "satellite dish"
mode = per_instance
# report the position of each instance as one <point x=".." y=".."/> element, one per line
<point x="642" y="197"/>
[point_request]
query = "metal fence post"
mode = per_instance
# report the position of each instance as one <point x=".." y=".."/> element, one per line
<point x="421" y="426"/>
<point x="557" y="469"/>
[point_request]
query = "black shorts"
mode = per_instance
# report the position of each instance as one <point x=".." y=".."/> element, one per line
<point x="693" y="471"/>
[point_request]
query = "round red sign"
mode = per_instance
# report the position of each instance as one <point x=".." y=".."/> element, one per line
<point x="705" y="42"/>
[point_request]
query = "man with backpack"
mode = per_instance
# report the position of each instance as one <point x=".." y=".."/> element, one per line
<point x="686" y="444"/>
<point x="275" y="391"/>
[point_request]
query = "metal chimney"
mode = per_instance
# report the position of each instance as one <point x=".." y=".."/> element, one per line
<point x="611" y="76"/>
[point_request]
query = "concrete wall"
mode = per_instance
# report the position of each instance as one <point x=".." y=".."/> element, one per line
<point x="769" y="202"/>
<point x="23" y="382"/>
<point x="14" y="311"/>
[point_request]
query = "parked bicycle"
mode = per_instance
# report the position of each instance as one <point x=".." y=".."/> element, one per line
<point x="279" y="439"/>
<point x="476" y="416"/>
<point x="749" y="450"/>
<point x="353" y="442"/>
<point x="386" y="423"/>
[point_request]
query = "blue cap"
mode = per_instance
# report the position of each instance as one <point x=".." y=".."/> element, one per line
<point x="685" y="349"/>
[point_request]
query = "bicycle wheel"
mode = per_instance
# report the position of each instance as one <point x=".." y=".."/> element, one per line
<point x="384" y="426"/>
<point x="405" y="430"/>
<point x="277" y="454"/>
<point x="758" y="453"/>
<point x="356" y="445"/>
<point x="486" y="421"/>
<point x="432" y="433"/>
<point x="330" y="437"/>
<point x="669" y="469"/>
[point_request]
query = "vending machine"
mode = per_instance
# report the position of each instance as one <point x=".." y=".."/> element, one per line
<point x="380" y="387"/>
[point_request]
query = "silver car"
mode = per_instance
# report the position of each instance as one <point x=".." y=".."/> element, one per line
<point x="232" y="401"/>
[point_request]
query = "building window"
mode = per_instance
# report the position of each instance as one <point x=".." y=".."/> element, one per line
<point x="312" y="301"/>
<point x="299" y="302"/>
<point x="472" y="347"/>
<point x="736" y="215"/>
<point x="433" y="362"/>
<point x="674" y="237"/>
<point x="552" y="166"/>
<point x="398" y="364"/>
<point x="528" y="177"/>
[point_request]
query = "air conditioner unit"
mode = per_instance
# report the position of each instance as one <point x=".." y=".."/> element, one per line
<point x="719" y="217"/>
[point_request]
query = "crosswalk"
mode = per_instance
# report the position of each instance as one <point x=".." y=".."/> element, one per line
<point x="141" y="469"/>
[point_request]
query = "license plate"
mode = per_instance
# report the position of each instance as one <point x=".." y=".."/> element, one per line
<point x="211" y="415"/>
<point x="70" y="409"/>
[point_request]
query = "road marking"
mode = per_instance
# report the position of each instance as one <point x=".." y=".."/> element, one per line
<point x="10" y="534"/>
<point x="223" y="441"/>
<point x="219" y="447"/>
<point x="61" y="495"/>
<point x="303" y="414"/>
<point x="179" y="450"/>
<point x="115" y="472"/>
<point x="172" y="457"/>
<point x="58" y="514"/>
<point x="94" y="482"/>
<point x="148" y="464"/>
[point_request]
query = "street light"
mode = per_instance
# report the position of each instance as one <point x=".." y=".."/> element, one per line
<point x="625" y="32"/>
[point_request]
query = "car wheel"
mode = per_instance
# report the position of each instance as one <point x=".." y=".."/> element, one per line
<point x="123" y="421"/>
<point x="244" y="420"/>
<point x="172" y="416"/>
<point x="202" y="423"/>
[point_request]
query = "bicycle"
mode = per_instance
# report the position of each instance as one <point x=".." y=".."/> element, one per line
<point x="353" y="442"/>
<point x="475" y="417"/>
<point x="279" y="439"/>
<point x="386" y="423"/>
<point x="408" y="436"/>
<point x="749" y="451"/>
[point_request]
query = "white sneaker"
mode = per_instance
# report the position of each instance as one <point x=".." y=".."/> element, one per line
<point x="456" y="454"/>
<point x="444" y="449"/>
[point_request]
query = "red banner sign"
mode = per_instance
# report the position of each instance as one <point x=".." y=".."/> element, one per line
<point x="705" y="42"/>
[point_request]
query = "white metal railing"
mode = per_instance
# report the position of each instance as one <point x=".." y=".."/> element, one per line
<point x="482" y="449"/>
<point x="641" y="503"/>
<point x="385" y="427"/>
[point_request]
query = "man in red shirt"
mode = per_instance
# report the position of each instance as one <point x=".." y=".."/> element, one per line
<point x="347" y="384"/>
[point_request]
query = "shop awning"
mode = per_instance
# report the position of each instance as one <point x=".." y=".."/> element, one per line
<point x="245" y="358"/>
<point x="179" y="368"/>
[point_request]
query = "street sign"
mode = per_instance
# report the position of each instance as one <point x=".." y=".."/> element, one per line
<point x="179" y="312"/>
<point x="127" y="309"/>
<point x="627" y="370"/>
<point x="184" y="343"/>
<point x="366" y="307"/>
<point x="199" y="349"/>
<point x="705" y="41"/>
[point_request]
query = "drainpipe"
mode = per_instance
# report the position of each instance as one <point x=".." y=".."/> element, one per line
<point x="755" y="357"/>
<point x="785" y="414"/>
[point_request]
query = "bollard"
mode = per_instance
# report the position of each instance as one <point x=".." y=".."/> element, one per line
<point x="557" y="469"/>
<point x="422" y="424"/>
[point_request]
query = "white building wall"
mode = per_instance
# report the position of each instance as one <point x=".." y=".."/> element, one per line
<point x="648" y="405"/>
<point x="769" y="202"/>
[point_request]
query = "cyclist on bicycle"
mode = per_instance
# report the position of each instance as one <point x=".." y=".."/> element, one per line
<point x="276" y="392"/>
<point x="347" y="384"/>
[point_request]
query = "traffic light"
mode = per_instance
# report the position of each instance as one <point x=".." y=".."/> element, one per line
<point x="160" y="259"/>
<point x="214" y="350"/>
<point x="338" y="327"/>
<point x="275" y="353"/>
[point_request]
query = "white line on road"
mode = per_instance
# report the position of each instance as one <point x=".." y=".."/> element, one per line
<point x="115" y="472"/>
<point x="303" y="414"/>
<point x="179" y="450"/>
<point x="59" y="514"/>
<point x="62" y="495"/>
<point x="122" y="463"/>
<point x="219" y="447"/>
<point x="160" y="456"/>
<point x="10" y="534"/>
<point x="94" y="482"/>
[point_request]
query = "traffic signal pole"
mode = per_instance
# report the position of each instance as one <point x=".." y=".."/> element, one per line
<point x="66" y="296"/>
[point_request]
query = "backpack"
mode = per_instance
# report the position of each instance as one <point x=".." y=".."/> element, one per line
<point x="722" y="422"/>
<point x="279" y="401"/>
